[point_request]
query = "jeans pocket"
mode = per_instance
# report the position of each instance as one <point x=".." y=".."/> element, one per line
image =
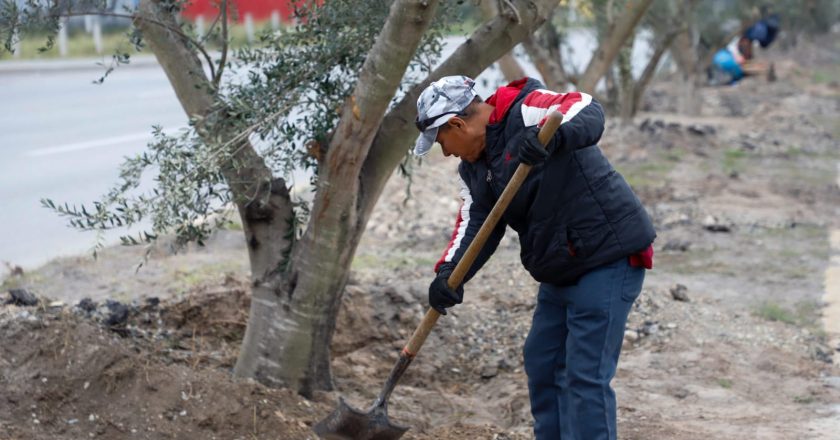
<point x="631" y="287"/>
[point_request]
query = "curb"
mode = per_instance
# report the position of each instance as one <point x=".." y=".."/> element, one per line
<point x="65" y="65"/>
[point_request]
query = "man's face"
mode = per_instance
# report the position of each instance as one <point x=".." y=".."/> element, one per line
<point x="463" y="138"/>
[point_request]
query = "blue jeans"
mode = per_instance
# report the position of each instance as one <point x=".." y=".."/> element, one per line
<point x="572" y="351"/>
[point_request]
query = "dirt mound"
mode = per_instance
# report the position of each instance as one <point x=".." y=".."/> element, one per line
<point x="65" y="377"/>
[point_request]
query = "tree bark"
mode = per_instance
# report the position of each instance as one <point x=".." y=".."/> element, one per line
<point x="617" y="34"/>
<point x="510" y="68"/>
<point x="626" y="82"/>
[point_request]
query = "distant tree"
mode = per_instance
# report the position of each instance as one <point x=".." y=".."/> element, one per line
<point x="353" y="74"/>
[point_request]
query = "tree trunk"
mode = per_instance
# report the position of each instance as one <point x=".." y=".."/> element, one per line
<point x="544" y="50"/>
<point x="650" y="69"/>
<point x="608" y="49"/>
<point x="625" y="82"/>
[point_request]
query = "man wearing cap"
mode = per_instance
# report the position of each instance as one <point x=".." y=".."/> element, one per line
<point x="584" y="236"/>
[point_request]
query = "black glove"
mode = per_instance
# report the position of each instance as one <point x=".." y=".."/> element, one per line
<point x="441" y="296"/>
<point x="531" y="150"/>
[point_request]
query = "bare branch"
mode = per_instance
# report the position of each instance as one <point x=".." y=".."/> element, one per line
<point x="217" y="79"/>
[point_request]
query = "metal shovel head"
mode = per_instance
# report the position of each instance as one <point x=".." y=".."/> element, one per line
<point x="348" y="423"/>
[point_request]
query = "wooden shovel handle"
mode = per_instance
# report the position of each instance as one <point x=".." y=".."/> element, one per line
<point x="547" y="131"/>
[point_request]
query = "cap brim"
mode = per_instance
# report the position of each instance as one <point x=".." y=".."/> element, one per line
<point x="425" y="141"/>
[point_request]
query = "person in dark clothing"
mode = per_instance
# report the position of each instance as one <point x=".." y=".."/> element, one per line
<point x="584" y="236"/>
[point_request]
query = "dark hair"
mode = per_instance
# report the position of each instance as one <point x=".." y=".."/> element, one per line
<point x="471" y="107"/>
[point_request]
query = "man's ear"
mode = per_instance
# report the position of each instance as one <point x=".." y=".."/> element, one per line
<point x="456" y="122"/>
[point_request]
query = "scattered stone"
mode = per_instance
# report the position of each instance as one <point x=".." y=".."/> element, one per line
<point x="86" y="304"/>
<point x="701" y="130"/>
<point x="22" y="297"/>
<point x="489" y="370"/>
<point x="118" y="313"/>
<point x="650" y="328"/>
<point x="680" y="393"/>
<point x="713" y="224"/>
<point x="679" y="292"/>
<point x="631" y="335"/>
<point x="152" y="301"/>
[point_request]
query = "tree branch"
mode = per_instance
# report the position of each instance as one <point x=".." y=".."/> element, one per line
<point x="217" y="79"/>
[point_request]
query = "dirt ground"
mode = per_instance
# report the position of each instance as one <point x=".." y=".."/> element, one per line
<point x="744" y="197"/>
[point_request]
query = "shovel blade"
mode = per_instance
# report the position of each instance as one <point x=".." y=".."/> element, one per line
<point x="348" y="423"/>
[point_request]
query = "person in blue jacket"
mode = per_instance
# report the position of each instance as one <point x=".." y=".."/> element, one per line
<point x="584" y="236"/>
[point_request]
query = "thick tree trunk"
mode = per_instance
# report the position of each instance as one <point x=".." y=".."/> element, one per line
<point x="262" y="201"/>
<point x="608" y="49"/>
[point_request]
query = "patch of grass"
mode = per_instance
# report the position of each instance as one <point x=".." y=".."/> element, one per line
<point x="804" y="400"/>
<point x="185" y="279"/>
<point x="775" y="312"/>
<point x="79" y="45"/>
<point x="233" y="226"/>
<point x="725" y="383"/>
<point x="733" y="160"/>
<point x="652" y="172"/>
<point x="804" y="314"/>
<point x="826" y="75"/>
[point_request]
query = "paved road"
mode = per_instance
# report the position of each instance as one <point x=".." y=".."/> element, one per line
<point x="62" y="137"/>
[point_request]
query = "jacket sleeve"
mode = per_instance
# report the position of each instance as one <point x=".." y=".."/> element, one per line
<point x="473" y="212"/>
<point x="583" y="118"/>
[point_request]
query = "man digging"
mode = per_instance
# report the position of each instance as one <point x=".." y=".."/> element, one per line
<point x="584" y="236"/>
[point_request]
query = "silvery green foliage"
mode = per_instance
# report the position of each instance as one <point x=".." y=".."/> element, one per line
<point x="287" y="93"/>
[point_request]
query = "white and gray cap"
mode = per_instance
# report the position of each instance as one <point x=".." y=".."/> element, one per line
<point x="440" y="102"/>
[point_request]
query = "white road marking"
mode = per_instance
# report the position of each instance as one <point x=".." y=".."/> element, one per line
<point x="97" y="143"/>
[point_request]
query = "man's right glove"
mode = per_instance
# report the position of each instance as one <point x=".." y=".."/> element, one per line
<point x="531" y="150"/>
<point x="441" y="296"/>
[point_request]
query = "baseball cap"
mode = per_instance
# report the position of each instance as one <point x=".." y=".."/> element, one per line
<point x="442" y="100"/>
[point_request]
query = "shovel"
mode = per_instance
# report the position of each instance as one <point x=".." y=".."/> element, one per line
<point x="348" y="423"/>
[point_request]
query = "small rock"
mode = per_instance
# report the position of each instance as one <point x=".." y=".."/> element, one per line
<point x="87" y="305"/>
<point x="21" y="297"/>
<point x="679" y="292"/>
<point x="631" y="335"/>
<point x="711" y="223"/>
<point x="489" y="370"/>
<point x="152" y="301"/>
<point x="118" y="315"/>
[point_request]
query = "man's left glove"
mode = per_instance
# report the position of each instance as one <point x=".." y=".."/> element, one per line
<point x="531" y="150"/>
<point x="441" y="296"/>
